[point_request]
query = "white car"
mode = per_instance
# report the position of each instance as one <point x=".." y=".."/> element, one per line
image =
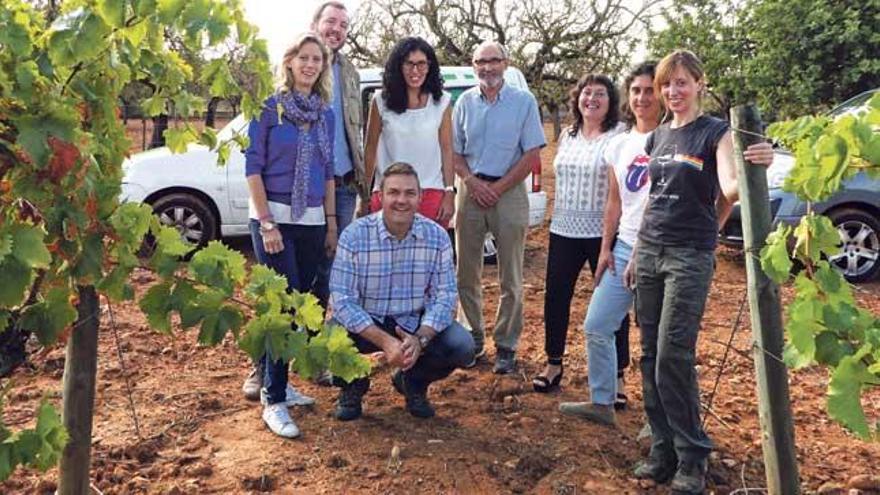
<point x="204" y="201"/>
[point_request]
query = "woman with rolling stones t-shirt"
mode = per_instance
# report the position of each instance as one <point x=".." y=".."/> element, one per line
<point x="693" y="187"/>
<point x="628" y="185"/>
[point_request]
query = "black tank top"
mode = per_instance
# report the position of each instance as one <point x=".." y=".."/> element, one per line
<point x="684" y="184"/>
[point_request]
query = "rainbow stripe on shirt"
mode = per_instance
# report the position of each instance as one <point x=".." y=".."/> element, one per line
<point x="693" y="161"/>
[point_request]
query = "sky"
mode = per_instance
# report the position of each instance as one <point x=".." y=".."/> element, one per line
<point x="280" y="20"/>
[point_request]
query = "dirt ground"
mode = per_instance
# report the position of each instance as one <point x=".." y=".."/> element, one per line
<point x="196" y="434"/>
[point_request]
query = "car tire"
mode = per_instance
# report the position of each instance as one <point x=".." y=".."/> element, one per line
<point x="190" y="215"/>
<point x="859" y="259"/>
<point x="490" y="250"/>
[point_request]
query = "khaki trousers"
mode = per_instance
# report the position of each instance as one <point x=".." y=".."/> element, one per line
<point x="507" y="221"/>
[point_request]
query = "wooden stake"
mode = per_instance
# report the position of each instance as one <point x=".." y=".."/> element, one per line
<point x="80" y="368"/>
<point x="774" y="404"/>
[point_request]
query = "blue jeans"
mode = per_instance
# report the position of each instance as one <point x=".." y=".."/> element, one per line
<point x="346" y="200"/>
<point x="672" y="284"/>
<point x="303" y="252"/>
<point x="450" y="349"/>
<point x="608" y="307"/>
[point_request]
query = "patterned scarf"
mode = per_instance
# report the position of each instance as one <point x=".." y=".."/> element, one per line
<point x="302" y="111"/>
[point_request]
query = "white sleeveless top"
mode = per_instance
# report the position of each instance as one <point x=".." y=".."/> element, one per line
<point x="412" y="137"/>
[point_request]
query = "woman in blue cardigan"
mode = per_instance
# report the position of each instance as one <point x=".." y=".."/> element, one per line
<point x="289" y="169"/>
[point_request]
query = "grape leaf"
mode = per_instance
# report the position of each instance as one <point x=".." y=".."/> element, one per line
<point x="49" y="317"/>
<point x="178" y="139"/>
<point x="218" y="266"/>
<point x="258" y="332"/>
<point x="775" y="260"/>
<point x="844" y="395"/>
<point x="308" y="312"/>
<point x="816" y="235"/>
<point x="131" y="222"/>
<point x="5" y="244"/>
<point x="266" y="289"/>
<point x="216" y="324"/>
<point x="28" y="247"/>
<point x="157" y="305"/>
<point x="112" y="11"/>
<point x="16" y="279"/>
<point x="168" y="240"/>
<point x="804" y="323"/>
<point x="346" y="361"/>
<point x="89" y="266"/>
<point x="184" y="300"/>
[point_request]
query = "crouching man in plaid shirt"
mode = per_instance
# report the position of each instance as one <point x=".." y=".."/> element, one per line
<point x="393" y="288"/>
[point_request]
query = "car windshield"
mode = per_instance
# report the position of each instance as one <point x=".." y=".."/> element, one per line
<point x="853" y="104"/>
<point x="238" y="124"/>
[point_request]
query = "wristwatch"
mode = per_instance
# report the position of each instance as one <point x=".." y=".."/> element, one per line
<point x="268" y="225"/>
<point x="451" y="189"/>
<point x="423" y="341"/>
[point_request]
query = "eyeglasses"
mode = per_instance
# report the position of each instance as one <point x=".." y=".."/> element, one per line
<point x="482" y="62"/>
<point x="421" y="65"/>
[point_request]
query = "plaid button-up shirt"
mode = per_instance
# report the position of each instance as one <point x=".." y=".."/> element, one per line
<point x="376" y="275"/>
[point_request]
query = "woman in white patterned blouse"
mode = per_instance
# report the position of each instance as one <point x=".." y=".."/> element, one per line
<point x="576" y="224"/>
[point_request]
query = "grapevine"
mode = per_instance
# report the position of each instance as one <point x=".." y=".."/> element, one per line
<point x="62" y="226"/>
<point x="824" y="323"/>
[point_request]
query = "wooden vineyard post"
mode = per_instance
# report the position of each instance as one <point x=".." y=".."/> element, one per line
<point x="774" y="404"/>
<point x="80" y="369"/>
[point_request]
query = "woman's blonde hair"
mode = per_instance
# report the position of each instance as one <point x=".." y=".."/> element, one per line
<point x="324" y="84"/>
<point x="667" y="66"/>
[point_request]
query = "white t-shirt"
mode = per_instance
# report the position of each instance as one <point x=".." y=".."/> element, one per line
<point x="412" y="137"/>
<point x="581" y="185"/>
<point x="313" y="215"/>
<point x="626" y="153"/>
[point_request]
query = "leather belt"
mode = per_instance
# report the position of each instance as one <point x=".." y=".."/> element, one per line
<point x="344" y="180"/>
<point x="487" y="178"/>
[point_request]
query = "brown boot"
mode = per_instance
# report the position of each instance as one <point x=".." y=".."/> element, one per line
<point x="596" y="413"/>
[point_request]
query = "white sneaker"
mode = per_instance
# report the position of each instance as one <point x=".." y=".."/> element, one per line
<point x="293" y="397"/>
<point x="278" y="420"/>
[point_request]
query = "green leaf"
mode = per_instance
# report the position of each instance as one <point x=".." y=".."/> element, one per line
<point x="308" y="312"/>
<point x="218" y="266"/>
<point x="154" y="105"/>
<point x="112" y="11"/>
<point x="89" y="267"/>
<point x="266" y="289"/>
<point x="54" y="437"/>
<point x="169" y="242"/>
<point x="28" y="247"/>
<point x="346" y="361"/>
<point x="131" y="222"/>
<point x="265" y="333"/>
<point x="184" y="300"/>
<point x="208" y="137"/>
<point x="169" y="10"/>
<point x="844" y="395"/>
<point x="216" y="324"/>
<point x="76" y="36"/>
<point x="115" y="284"/>
<point x="830" y="350"/>
<point x="33" y="131"/>
<point x="17" y="278"/>
<point x="775" y="260"/>
<point x="48" y="318"/>
<point x="177" y="139"/>
<point x="5" y="244"/>
<point x="816" y="235"/>
<point x="803" y="325"/>
<point x="157" y="305"/>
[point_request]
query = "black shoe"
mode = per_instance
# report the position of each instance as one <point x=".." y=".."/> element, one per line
<point x="689" y="478"/>
<point x="659" y="470"/>
<point x="505" y="362"/>
<point x="416" y="401"/>
<point x="545" y="385"/>
<point x="348" y="406"/>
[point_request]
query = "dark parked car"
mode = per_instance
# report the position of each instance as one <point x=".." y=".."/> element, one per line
<point x="855" y="210"/>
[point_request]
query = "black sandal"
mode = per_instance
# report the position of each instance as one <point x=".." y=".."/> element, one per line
<point x="545" y="385"/>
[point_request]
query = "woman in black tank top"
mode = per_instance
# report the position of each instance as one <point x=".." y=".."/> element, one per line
<point x="693" y="187"/>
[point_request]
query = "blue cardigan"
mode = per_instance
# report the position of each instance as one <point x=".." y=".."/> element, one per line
<point x="274" y="144"/>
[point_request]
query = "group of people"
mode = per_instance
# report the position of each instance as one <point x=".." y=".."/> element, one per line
<point x="643" y="181"/>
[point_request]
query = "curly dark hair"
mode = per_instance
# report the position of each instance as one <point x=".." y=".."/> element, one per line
<point x="646" y="68"/>
<point x="611" y="118"/>
<point x="393" y="84"/>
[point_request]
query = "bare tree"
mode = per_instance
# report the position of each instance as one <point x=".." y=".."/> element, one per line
<point x="553" y="42"/>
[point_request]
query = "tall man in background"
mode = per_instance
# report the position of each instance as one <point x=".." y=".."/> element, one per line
<point x="331" y="22"/>
<point x="497" y="134"/>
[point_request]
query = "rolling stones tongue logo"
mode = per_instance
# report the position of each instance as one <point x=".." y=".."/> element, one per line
<point x="637" y="173"/>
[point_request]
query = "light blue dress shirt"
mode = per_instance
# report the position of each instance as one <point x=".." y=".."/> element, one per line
<point x="341" y="152"/>
<point x="494" y="136"/>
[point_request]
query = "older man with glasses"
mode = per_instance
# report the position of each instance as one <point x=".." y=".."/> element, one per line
<point x="497" y="134"/>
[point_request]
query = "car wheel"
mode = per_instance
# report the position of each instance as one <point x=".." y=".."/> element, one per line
<point x="190" y="215"/>
<point x="859" y="259"/>
<point x="490" y="250"/>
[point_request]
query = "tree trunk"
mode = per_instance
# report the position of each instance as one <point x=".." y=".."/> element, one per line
<point x="211" y="113"/>
<point x="160" y="123"/>
<point x="80" y="368"/>
<point x="557" y="122"/>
